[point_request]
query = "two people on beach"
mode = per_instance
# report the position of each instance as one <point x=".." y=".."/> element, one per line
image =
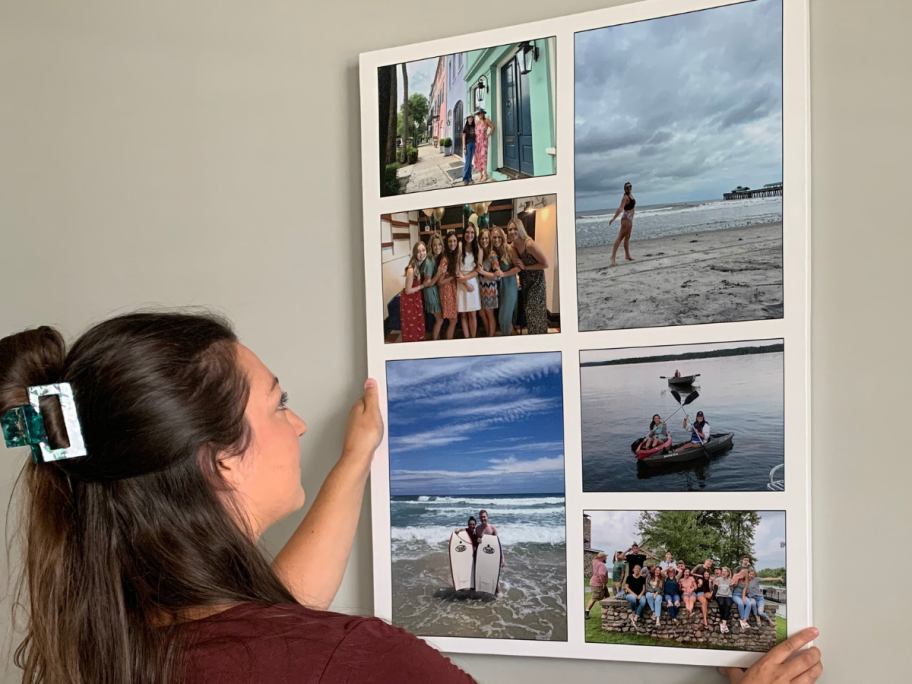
<point x="477" y="532"/>
<point x="626" y="211"/>
<point x="672" y="583"/>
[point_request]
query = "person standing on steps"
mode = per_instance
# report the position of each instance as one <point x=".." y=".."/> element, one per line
<point x="626" y="209"/>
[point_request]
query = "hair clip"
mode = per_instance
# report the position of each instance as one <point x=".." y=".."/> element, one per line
<point x="24" y="425"/>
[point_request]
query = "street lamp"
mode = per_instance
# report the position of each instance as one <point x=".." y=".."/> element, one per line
<point x="529" y="56"/>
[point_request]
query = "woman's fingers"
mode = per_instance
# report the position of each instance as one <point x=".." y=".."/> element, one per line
<point x="802" y="663"/>
<point x="810" y="676"/>
<point x="783" y="651"/>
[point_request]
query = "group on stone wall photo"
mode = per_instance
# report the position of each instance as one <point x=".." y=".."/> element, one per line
<point x="471" y="270"/>
<point x="472" y="117"/>
<point x="693" y="579"/>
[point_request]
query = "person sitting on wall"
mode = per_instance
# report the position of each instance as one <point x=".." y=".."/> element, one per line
<point x="636" y="593"/>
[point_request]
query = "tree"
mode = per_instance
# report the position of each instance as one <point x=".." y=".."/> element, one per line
<point x="392" y="108"/>
<point x="736" y="529"/>
<point x="418" y="109"/>
<point x="684" y="533"/>
<point x="385" y="93"/>
<point x="773" y="572"/>
<point x="405" y="114"/>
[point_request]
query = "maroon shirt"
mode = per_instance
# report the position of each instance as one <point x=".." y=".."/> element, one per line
<point x="290" y="644"/>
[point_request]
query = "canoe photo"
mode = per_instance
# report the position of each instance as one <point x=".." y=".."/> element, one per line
<point x="477" y="506"/>
<point x="696" y="417"/>
<point x="685" y="579"/>
<point x="461" y="271"/>
<point x="481" y="116"/>
<point x="678" y="169"/>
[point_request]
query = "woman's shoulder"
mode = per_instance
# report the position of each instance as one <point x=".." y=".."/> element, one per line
<point x="290" y="643"/>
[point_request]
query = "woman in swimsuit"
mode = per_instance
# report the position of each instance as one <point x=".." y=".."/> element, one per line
<point x="626" y="209"/>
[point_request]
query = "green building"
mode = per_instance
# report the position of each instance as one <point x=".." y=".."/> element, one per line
<point x="515" y="85"/>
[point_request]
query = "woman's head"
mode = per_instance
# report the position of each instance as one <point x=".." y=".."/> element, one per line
<point x="499" y="242"/>
<point x="419" y="254"/>
<point x="700" y="417"/>
<point x="656" y="419"/>
<point x="686" y="572"/>
<point x="471" y="229"/>
<point x="452" y="242"/>
<point x="628" y="188"/>
<point x="751" y="575"/>
<point x="191" y="455"/>
<point x="726" y="573"/>
<point x="484" y="240"/>
<point x="516" y="230"/>
<point x="435" y="246"/>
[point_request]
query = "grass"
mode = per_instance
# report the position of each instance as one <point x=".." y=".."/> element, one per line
<point x="596" y="635"/>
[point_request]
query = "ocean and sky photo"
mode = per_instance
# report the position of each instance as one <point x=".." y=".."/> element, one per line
<point x="478" y="437"/>
<point x="678" y="169"/>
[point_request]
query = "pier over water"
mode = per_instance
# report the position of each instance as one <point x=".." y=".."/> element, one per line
<point x="768" y="190"/>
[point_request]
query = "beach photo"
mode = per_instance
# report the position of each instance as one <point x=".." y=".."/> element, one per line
<point x="477" y="508"/>
<point x="694" y="417"/>
<point x="471" y="270"/>
<point x="679" y="170"/>
<point x="685" y="579"/>
<point x="480" y="116"/>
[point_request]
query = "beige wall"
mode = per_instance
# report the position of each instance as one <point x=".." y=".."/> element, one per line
<point x="207" y="152"/>
<point x="546" y="239"/>
<point x="395" y="259"/>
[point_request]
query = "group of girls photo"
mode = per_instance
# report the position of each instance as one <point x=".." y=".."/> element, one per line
<point x="459" y="281"/>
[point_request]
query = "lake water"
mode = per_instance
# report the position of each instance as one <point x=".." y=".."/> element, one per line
<point x="739" y="394"/>
<point x="532" y="530"/>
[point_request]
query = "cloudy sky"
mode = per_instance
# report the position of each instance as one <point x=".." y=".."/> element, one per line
<point x="482" y="425"/>
<point x="684" y="107"/>
<point x="421" y="77"/>
<point x="616" y="531"/>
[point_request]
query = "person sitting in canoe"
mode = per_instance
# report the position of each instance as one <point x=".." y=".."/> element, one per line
<point x="658" y="433"/>
<point x="677" y="373"/>
<point x="699" y="431"/>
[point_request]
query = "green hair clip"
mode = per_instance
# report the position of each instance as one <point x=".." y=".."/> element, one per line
<point x="24" y="425"/>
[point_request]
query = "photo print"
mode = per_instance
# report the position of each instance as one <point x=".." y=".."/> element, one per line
<point x="695" y="417"/>
<point x="476" y="458"/>
<point x="472" y="117"/>
<point x="679" y="168"/>
<point x="685" y="579"/>
<point x="471" y="270"/>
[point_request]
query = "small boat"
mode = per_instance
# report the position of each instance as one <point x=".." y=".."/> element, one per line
<point x="682" y="381"/>
<point x="715" y="445"/>
<point x="645" y="453"/>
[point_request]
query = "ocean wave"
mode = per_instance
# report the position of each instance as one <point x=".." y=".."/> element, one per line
<point x="509" y="534"/>
<point x="497" y="511"/>
<point x="492" y="501"/>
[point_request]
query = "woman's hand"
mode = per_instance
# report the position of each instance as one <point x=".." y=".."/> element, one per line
<point x="498" y="273"/>
<point x="611" y="221"/>
<point x="365" y="424"/>
<point x="778" y="667"/>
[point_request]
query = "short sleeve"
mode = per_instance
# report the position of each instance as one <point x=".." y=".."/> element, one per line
<point x="377" y="653"/>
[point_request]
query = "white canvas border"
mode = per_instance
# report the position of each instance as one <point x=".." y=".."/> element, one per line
<point x="794" y="328"/>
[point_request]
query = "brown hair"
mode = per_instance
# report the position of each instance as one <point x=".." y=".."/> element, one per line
<point x="121" y="545"/>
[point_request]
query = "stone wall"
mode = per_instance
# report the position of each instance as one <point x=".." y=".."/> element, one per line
<point x="688" y="628"/>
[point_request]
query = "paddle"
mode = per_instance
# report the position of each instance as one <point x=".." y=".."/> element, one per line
<point x="702" y="443"/>
<point x="672" y="377"/>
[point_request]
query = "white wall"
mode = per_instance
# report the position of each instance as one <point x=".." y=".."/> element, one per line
<point x="207" y="152"/>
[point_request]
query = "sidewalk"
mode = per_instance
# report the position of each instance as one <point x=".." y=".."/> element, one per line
<point x="433" y="171"/>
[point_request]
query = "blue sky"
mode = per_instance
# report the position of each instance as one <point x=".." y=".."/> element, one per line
<point x="684" y="107"/>
<point x="616" y="531"/>
<point x="482" y="425"/>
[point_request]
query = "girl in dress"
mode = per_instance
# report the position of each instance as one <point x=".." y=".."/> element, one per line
<point x="468" y="299"/>
<point x="507" y="292"/>
<point x="483" y="130"/>
<point x="411" y="306"/>
<point x="534" y="262"/>
<point x="431" y="273"/>
<point x="448" y="268"/>
<point x="487" y="281"/>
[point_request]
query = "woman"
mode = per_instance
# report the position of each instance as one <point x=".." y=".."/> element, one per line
<point x="468" y="146"/>
<point x="468" y="299"/>
<point x="655" y="592"/>
<point x="699" y="432"/>
<point x="658" y="433"/>
<point x="487" y="281"/>
<point x="449" y="270"/>
<point x="507" y="292"/>
<point x="484" y="129"/>
<point x="738" y="583"/>
<point x="672" y="592"/>
<point x="598" y="581"/>
<point x="724" y="599"/>
<point x="156" y="574"/>
<point x="636" y="593"/>
<point x="618" y="568"/>
<point x="627" y="210"/>
<point x="534" y="262"/>
<point x="704" y="589"/>
<point x="432" y="272"/>
<point x="689" y="590"/>
<point x="411" y="303"/>
<point x="752" y="595"/>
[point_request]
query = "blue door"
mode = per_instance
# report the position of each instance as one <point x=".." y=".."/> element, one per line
<point x="516" y="128"/>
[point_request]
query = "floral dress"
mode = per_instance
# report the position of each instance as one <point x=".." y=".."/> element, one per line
<point x="489" y="287"/>
<point x="481" y="147"/>
<point x="411" y="310"/>
<point x="447" y="292"/>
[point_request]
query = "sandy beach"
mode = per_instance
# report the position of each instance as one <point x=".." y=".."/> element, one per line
<point x="714" y="276"/>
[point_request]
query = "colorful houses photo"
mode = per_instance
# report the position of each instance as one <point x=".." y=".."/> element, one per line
<point x="505" y="94"/>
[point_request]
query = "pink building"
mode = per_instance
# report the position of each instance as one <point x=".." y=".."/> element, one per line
<point x="437" y="116"/>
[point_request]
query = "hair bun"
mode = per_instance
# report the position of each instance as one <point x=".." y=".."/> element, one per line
<point x="29" y="358"/>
